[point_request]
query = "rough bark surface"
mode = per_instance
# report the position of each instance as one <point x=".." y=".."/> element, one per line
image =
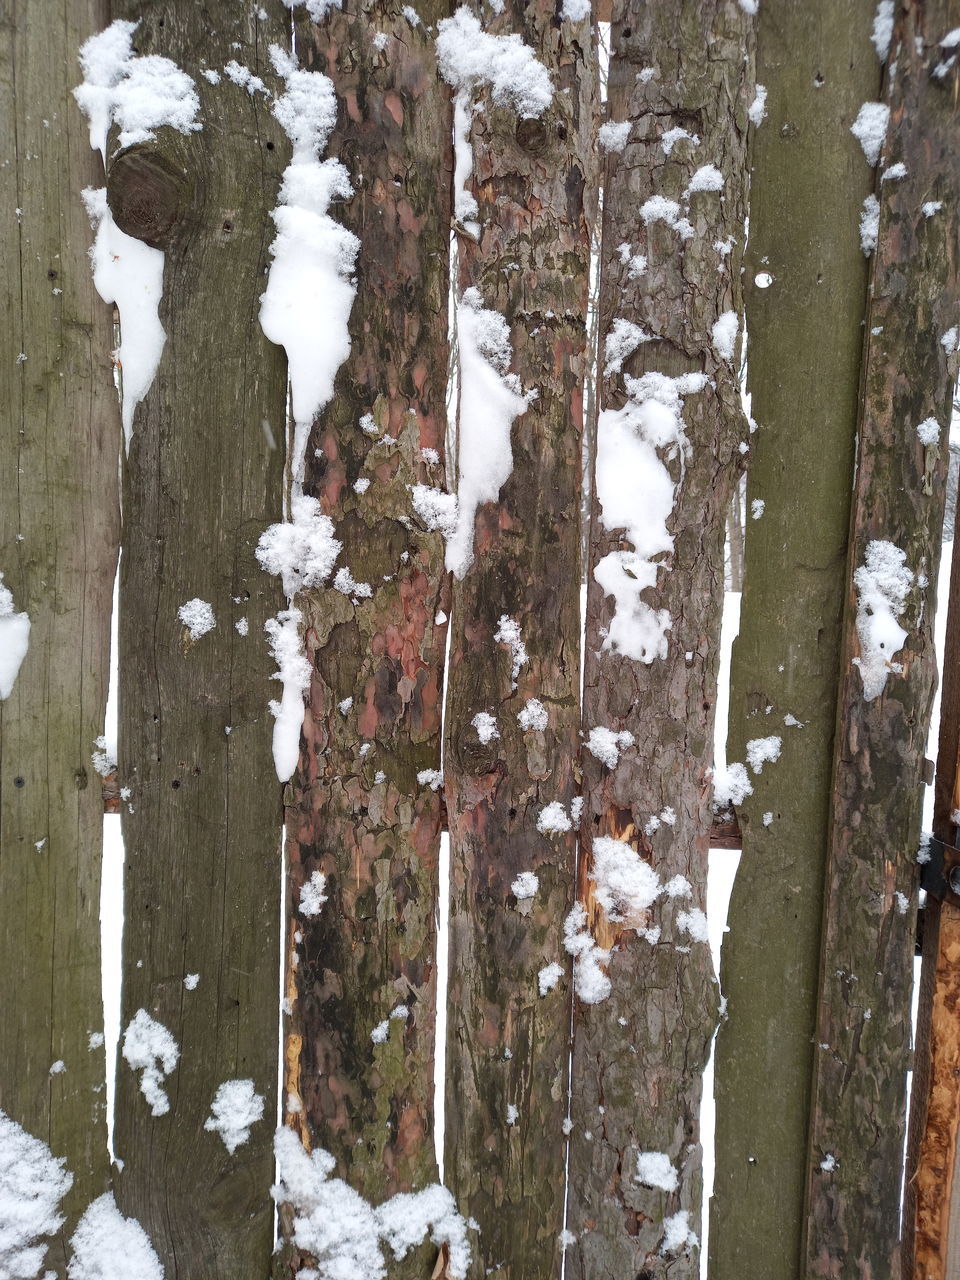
<point x="59" y="531"/>
<point x="639" y="1055"/>
<point x="870" y="903"/>
<point x="202" y="821"/>
<point x="931" y="1203"/>
<point x="809" y="181"/>
<point x="507" y="1047"/>
<point x="356" y="810"/>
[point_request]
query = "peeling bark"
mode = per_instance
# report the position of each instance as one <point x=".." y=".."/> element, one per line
<point x="507" y="1046"/>
<point x="355" y="809"/>
<point x="201" y="825"/>
<point x="870" y="905"/>
<point x="639" y="1055"/>
<point x="59" y="532"/>
<point x="806" y="339"/>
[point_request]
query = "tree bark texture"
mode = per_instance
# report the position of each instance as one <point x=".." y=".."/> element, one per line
<point x="931" y="1204"/>
<point x="809" y="181"/>
<point x="202" y="822"/>
<point x="59" y="532"/>
<point x="355" y="810"/>
<point x="863" y="1032"/>
<point x="507" y="1046"/>
<point x="639" y="1054"/>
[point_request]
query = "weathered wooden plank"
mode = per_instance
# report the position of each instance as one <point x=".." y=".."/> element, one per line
<point x="202" y="821"/>
<point x="809" y="179"/>
<point x="857" y="1122"/>
<point x="355" y="809"/>
<point x="507" y="1046"/>
<point x="59" y="532"/>
<point x="639" y="1053"/>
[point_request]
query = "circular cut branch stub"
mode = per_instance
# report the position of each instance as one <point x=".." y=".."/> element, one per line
<point x="147" y="194"/>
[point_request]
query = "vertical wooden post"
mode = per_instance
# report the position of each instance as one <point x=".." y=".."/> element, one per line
<point x="356" y="809"/>
<point x="202" y="819"/>
<point x="806" y="294"/>
<point x="508" y="1044"/>
<point x="863" y="1037"/>
<point x="681" y="81"/>
<point x="59" y="531"/>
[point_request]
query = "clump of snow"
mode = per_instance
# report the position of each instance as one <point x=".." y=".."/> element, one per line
<point x="929" y="431"/>
<point x="951" y="340"/>
<point x="757" y="508"/>
<point x="347" y="585"/>
<point x="930" y="207"/>
<point x="236" y="1107"/>
<point x="676" y="1229"/>
<point x="490" y="399"/>
<point x="761" y="751"/>
<point x="525" y="885"/>
<point x="671" y="137"/>
<point x="626" y="885"/>
<point x="882" y="583"/>
<point x="104" y="757"/>
<point x="138" y="94"/>
<point x="470" y="57"/>
<point x="548" y="977"/>
<point x="310" y="288"/>
<point x="553" y="819"/>
<point x="660" y="209"/>
<point x="882" y="28"/>
<point x="198" y="617"/>
<point x="677" y="887"/>
<point x="486" y="727"/>
<point x="149" y="1047"/>
<point x="607" y="746"/>
<point x="757" y="111"/>
<point x="508" y="632"/>
<point x="724" y="334"/>
<point x="869" y="224"/>
<point x="622" y="340"/>
<point x="301" y="550"/>
<point x="32" y="1183"/>
<point x="575" y="10"/>
<point x="707" y="178"/>
<point x="437" y="510"/>
<point x="655" y="1169"/>
<point x="533" y="717"/>
<point x="870" y="129"/>
<point x="343" y="1231"/>
<point x="513" y="1115"/>
<point x="242" y="626"/>
<point x="381" y="1032"/>
<point x="14" y="640"/>
<point x="317" y="9"/>
<point x="614" y="136"/>
<point x="129" y="274"/>
<point x="108" y="1246"/>
<point x="636" y="263"/>
<point x="828" y="1163"/>
<point x="58" y="1067"/>
<point x="894" y="173"/>
<point x="244" y="78"/>
<point x="431" y="778"/>
<point x="590" y="982"/>
<point x="312" y="896"/>
<point x="731" y="786"/>
<point x="768" y="818"/>
<point x="903" y="902"/>
<point x="694" y="922"/>
<point x="191" y="981"/>
<point x="635" y="491"/>
<point x="293" y="672"/>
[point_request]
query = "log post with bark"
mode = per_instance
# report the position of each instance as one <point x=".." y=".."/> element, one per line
<point x="888" y="663"/>
<point x="512" y="710"/>
<point x="667" y="456"/>
<point x="59" y="531"/>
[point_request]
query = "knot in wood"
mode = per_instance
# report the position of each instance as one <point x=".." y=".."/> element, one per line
<point x="476" y="757"/>
<point x="147" y="195"/>
<point x="532" y="136"/>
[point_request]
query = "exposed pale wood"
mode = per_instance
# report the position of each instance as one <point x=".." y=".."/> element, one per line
<point x="534" y="182"/>
<point x="373" y="946"/>
<point x="809" y="179"/>
<point x="870" y="903"/>
<point x="202" y="826"/>
<point x="59" y="532"/>
<point x="639" y="1055"/>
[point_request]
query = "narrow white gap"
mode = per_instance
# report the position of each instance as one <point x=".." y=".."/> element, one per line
<point x="111" y="890"/>
<point x="281" y="1100"/>
<point x="443" y="974"/>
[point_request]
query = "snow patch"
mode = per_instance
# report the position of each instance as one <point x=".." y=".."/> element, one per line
<point x="761" y="751"/>
<point x="626" y="885"/>
<point x="882" y="584"/>
<point x="508" y="632"/>
<point x="870" y="129"/>
<point x="614" y="136"/>
<point x="757" y="111"/>
<point x="655" y="1169"/>
<point x="293" y="672"/>
<point x="882" y="30"/>
<point x="236" y="1107"/>
<point x="33" y="1181"/>
<point x="548" y="977"/>
<point x="607" y="746"/>
<point x="312" y="896"/>
<point x="108" y="1246"/>
<point x="486" y="727"/>
<point x="533" y="717"/>
<point x="198" y="617"/>
<point x="525" y="885"/>
<point x="621" y="342"/>
<point x="869" y="224"/>
<point x="724" y="333"/>
<point x="553" y="820"/>
<point x="149" y="1047"/>
<point x="14" y="640"/>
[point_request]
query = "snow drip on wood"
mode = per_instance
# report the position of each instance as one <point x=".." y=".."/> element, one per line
<point x="345" y="1233"/>
<point x="490" y="399"/>
<point x="138" y="95"/>
<point x="636" y="492"/>
<point x="305" y="309"/>
<point x="14" y="640"/>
